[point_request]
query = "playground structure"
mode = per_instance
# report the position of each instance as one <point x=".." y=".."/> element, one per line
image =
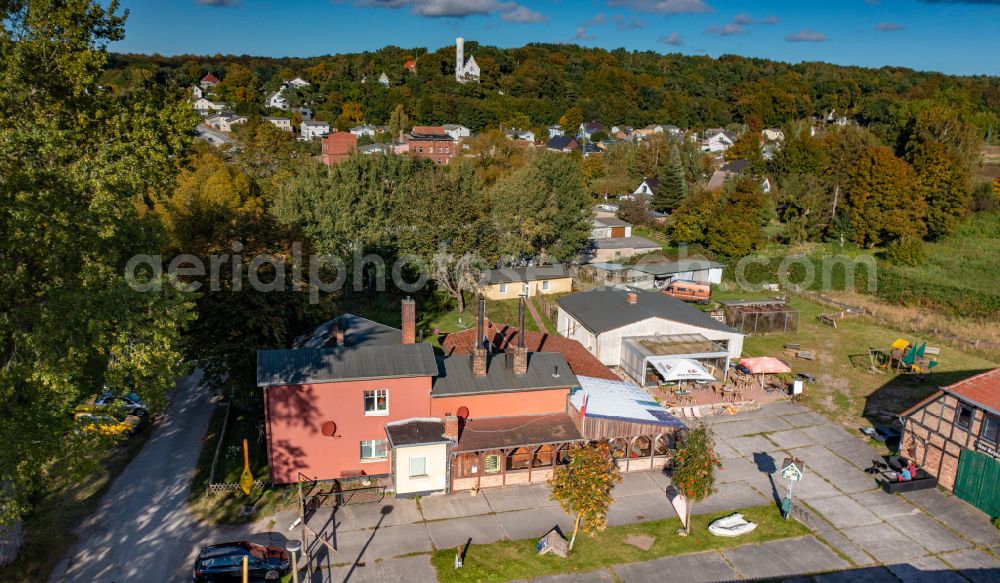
<point x="904" y="357"/>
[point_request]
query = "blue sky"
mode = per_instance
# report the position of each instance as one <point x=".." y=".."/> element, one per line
<point x="953" y="36"/>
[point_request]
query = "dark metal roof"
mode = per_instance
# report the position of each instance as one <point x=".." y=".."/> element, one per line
<point x="634" y="242"/>
<point x="317" y="365"/>
<point x="358" y="331"/>
<point x="419" y="431"/>
<point x="519" y="274"/>
<point x="561" y="142"/>
<point x="601" y="310"/>
<point x="455" y="375"/>
<point x="525" y="430"/>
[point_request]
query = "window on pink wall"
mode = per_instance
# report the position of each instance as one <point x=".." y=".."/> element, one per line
<point x="377" y="402"/>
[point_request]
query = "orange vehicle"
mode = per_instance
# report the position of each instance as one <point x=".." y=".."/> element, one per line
<point x="689" y="291"/>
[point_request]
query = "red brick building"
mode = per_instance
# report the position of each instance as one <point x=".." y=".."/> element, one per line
<point x="338" y="146"/>
<point x="955" y="435"/>
<point x="431" y="142"/>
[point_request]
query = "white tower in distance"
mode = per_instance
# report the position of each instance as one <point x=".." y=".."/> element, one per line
<point x="464" y="72"/>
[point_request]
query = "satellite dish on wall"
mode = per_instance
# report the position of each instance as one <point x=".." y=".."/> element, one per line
<point x="463" y="413"/>
<point x="329" y="429"/>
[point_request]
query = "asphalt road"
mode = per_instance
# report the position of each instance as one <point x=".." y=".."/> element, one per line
<point x="142" y="530"/>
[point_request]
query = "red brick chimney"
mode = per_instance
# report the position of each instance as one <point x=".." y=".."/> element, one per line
<point x="479" y="352"/>
<point x="409" y="321"/>
<point x="633" y="298"/>
<point x="450" y="427"/>
<point x="520" y="353"/>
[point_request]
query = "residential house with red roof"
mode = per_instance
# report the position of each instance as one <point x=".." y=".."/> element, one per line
<point x="955" y="435"/>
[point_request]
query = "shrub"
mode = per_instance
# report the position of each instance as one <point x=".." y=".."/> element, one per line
<point x="906" y="251"/>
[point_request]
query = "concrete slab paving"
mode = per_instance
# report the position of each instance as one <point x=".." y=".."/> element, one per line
<point x="725" y="451"/>
<point x="693" y="568"/>
<point x="957" y="515"/>
<point x="844" y="546"/>
<point x="773" y="424"/>
<point x="884" y="542"/>
<point x="807" y="419"/>
<point x="404" y="569"/>
<point x="855" y="451"/>
<point x="812" y="487"/>
<point x="885" y="505"/>
<point x="601" y="576"/>
<point x="828" y="432"/>
<point x="735" y="469"/>
<point x="661" y="479"/>
<point x="453" y="506"/>
<point x="381" y="543"/>
<point x="730" y="496"/>
<point x="925" y="570"/>
<point x="450" y="533"/>
<point x="810" y="519"/>
<point x="638" y="484"/>
<point x="792" y="438"/>
<point x="865" y="575"/>
<point x="843" y="512"/>
<point x="784" y="558"/>
<point x="747" y="446"/>
<point x="518" y="497"/>
<point x="534" y="523"/>
<point x="928" y="532"/>
<point x="835" y="469"/>
<point x="389" y="512"/>
<point x="974" y="564"/>
<point x="631" y="509"/>
<point x="737" y="428"/>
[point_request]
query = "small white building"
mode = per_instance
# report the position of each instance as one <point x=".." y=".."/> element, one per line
<point x="225" y="122"/>
<point x="282" y="123"/>
<point x="383" y="79"/>
<point x="647" y="188"/>
<point x="206" y="105"/>
<point x="297" y="83"/>
<point x="659" y="275"/>
<point x="773" y="135"/>
<point x="364" y="130"/>
<point x="519" y="134"/>
<point x="313" y="129"/>
<point x="619" y="325"/>
<point x="456" y="131"/>
<point x="609" y="228"/>
<point x="718" y="140"/>
<point x="555" y="130"/>
<point x="277" y="100"/>
<point x="196" y="92"/>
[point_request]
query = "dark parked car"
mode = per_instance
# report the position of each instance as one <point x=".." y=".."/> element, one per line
<point x="224" y="562"/>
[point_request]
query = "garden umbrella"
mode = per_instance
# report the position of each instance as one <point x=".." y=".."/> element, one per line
<point x="682" y="369"/>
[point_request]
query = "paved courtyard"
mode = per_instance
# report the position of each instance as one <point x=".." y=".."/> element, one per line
<point x="858" y="532"/>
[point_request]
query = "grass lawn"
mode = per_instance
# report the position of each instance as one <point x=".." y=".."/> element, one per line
<point x="225" y="508"/>
<point x="508" y="560"/>
<point x="847" y="392"/>
<point x="49" y="529"/>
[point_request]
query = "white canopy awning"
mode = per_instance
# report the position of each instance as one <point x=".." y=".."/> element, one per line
<point x="681" y="369"/>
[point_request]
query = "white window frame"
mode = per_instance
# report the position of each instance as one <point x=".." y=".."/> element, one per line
<point x="524" y="289"/>
<point x="545" y="285"/>
<point x="423" y="467"/>
<point x="503" y="288"/>
<point x="375" y="394"/>
<point x="372" y="445"/>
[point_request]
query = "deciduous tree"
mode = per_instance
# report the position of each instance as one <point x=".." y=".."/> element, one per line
<point x="583" y="487"/>
<point x="694" y="466"/>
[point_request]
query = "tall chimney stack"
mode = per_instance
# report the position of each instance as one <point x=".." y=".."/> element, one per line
<point x="450" y="427"/>
<point x="520" y="353"/>
<point x="479" y="354"/>
<point x="409" y="321"/>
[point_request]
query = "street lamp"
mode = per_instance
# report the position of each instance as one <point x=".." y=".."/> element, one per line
<point x="293" y="546"/>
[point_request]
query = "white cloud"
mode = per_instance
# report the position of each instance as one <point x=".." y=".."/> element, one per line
<point x="523" y="14"/>
<point x="622" y="23"/>
<point x="807" y="36"/>
<point x="672" y="39"/>
<point x="889" y="26"/>
<point x="597" y="20"/>
<point x="742" y="19"/>
<point x="770" y="20"/>
<point x="665" y="6"/>
<point x="509" y="11"/>
<point x="581" y="34"/>
<point x="726" y="29"/>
